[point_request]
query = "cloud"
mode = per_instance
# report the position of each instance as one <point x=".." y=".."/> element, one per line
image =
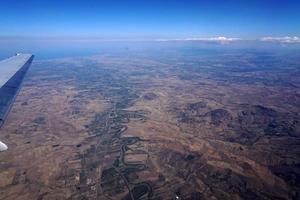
<point x="284" y="40"/>
<point x="220" y="39"/>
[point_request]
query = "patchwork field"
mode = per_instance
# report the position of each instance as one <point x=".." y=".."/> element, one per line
<point x="144" y="125"/>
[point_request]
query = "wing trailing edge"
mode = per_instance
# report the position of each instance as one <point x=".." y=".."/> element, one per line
<point x="12" y="73"/>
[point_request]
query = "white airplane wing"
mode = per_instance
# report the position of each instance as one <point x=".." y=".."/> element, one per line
<point x="12" y="73"/>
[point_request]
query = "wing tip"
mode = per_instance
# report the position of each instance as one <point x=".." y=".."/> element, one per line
<point x="3" y="147"/>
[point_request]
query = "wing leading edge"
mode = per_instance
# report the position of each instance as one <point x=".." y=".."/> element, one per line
<point x="12" y="73"/>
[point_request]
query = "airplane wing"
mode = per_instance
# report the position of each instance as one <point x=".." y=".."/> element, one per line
<point x="12" y="73"/>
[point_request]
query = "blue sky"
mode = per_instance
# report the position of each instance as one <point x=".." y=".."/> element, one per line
<point x="150" y="18"/>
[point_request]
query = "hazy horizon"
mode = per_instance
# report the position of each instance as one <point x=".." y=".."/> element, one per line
<point x="60" y="28"/>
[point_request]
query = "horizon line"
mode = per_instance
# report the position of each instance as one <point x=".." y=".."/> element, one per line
<point x="221" y="39"/>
